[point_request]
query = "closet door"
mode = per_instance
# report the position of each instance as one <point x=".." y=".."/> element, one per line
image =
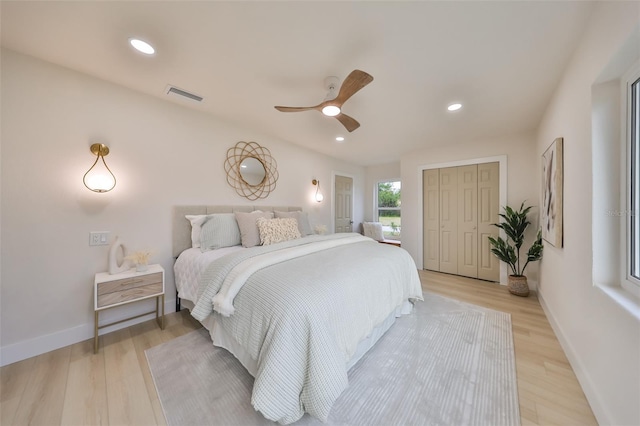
<point x="488" y="206"/>
<point x="431" y="219"/>
<point x="449" y="220"/>
<point x="468" y="221"/>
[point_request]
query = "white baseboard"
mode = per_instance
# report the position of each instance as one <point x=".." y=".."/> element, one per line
<point x="43" y="344"/>
<point x="590" y="390"/>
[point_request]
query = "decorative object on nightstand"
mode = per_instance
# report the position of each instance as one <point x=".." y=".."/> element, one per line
<point x="114" y="266"/>
<point x="141" y="259"/>
<point x="320" y="229"/>
<point x="110" y="292"/>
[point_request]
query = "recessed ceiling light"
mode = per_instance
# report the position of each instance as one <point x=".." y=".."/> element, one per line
<point x="142" y="46"/>
<point x="454" y="107"/>
<point x="340" y="139"/>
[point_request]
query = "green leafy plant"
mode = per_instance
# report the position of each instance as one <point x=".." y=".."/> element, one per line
<point x="514" y="225"/>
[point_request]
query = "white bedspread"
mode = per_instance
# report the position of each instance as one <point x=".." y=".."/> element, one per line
<point x="303" y="318"/>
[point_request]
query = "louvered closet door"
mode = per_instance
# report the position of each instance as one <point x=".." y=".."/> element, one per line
<point x="488" y="206"/>
<point x="449" y="220"/>
<point x="468" y="221"/>
<point x="431" y="225"/>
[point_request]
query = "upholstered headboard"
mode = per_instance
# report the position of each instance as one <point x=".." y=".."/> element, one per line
<point x="182" y="227"/>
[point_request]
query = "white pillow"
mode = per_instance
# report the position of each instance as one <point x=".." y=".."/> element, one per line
<point x="249" y="233"/>
<point x="197" y="220"/>
<point x="301" y="217"/>
<point x="219" y="230"/>
<point x="277" y="230"/>
<point x="373" y="230"/>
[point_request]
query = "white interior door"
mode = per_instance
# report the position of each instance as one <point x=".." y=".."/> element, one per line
<point x="468" y="221"/>
<point x="449" y="220"/>
<point x="460" y="206"/>
<point x="488" y="209"/>
<point x="343" y="204"/>
<point x="431" y="213"/>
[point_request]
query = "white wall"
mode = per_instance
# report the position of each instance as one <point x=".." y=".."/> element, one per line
<point x="522" y="183"/>
<point x="601" y="339"/>
<point x="162" y="154"/>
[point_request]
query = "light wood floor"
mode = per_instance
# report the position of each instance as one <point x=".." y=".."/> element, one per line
<point x="74" y="386"/>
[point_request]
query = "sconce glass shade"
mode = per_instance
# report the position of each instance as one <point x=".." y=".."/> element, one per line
<point x="99" y="177"/>
<point x="319" y="197"/>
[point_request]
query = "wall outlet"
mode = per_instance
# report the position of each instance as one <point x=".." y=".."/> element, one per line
<point x="99" y="238"/>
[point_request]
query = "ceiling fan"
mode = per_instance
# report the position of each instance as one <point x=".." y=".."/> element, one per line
<point x="332" y="104"/>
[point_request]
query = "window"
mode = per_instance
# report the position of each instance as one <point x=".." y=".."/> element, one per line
<point x="388" y="209"/>
<point x="633" y="221"/>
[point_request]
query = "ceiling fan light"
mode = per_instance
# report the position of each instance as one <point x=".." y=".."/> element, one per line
<point x="331" y="110"/>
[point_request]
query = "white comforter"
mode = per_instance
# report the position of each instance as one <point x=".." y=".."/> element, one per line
<point x="302" y="314"/>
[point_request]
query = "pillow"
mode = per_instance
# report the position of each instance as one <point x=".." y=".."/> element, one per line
<point x="219" y="230"/>
<point x="301" y="217"/>
<point x="196" y="227"/>
<point x="373" y="230"/>
<point x="249" y="234"/>
<point x="277" y="230"/>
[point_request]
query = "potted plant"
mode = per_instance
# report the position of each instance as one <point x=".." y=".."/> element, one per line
<point x="514" y="225"/>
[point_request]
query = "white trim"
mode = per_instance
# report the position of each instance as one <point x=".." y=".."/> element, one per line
<point x="502" y="160"/>
<point x="627" y="282"/>
<point x="49" y="342"/>
<point x="333" y="196"/>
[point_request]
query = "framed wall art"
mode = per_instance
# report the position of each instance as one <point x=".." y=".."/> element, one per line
<point x="552" y="176"/>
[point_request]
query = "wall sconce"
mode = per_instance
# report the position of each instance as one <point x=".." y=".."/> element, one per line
<point x="319" y="197"/>
<point x="99" y="179"/>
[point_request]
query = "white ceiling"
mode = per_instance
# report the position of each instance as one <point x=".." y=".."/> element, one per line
<point x="502" y="60"/>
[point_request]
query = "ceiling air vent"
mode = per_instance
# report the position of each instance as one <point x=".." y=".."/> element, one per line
<point x="174" y="91"/>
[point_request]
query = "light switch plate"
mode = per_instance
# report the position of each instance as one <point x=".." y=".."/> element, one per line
<point x="99" y="238"/>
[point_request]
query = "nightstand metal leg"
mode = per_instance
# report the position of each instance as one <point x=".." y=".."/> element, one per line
<point x="162" y="317"/>
<point x="95" y="333"/>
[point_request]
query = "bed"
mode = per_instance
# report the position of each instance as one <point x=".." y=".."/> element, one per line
<point x="297" y="312"/>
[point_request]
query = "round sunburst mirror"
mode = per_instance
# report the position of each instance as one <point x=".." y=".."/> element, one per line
<point x="251" y="170"/>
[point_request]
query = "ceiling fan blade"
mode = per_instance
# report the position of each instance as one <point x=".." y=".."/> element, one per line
<point x="354" y="82"/>
<point x="294" y="109"/>
<point x="349" y="123"/>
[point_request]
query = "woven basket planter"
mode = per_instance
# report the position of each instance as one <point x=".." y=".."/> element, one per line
<point x="518" y="286"/>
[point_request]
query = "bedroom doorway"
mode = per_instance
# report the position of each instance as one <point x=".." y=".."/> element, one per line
<point x="343" y="204"/>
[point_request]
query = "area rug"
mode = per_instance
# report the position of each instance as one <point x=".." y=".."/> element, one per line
<point x="448" y="363"/>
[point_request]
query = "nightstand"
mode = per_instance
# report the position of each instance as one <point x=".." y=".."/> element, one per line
<point x="127" y="287"/>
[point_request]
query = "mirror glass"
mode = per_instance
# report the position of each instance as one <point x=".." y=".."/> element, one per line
<point x="252" y="171"/>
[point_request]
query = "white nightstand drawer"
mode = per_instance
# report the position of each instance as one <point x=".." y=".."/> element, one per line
<point x="128" y="283"/>
<point x="129" y="294"/>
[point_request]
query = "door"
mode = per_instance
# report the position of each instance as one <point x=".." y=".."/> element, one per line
<point x="431" y="227"/>
<point x="449" y="220"/>
<point x="343" y="204"/>
<point x="468" y="221"/>
<point x="460" y="206"/>
<point x="488" y="206"/>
